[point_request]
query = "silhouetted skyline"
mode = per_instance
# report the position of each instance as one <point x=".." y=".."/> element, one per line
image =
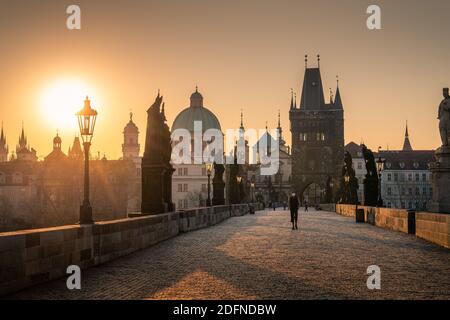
<point x="242" y="55"/>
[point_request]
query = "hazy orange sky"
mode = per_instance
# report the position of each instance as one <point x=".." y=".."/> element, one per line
<point x="241" y="53"/>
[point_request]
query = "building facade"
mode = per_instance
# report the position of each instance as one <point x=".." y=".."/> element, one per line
<point x="406" y="178"/>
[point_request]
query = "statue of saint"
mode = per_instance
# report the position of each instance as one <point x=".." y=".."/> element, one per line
<point x="444" y="118"/>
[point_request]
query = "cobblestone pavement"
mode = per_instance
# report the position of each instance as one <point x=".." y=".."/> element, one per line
<point x="259" y="256"/>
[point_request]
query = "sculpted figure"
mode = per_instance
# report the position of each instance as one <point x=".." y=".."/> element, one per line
<point x="444" y="118"/>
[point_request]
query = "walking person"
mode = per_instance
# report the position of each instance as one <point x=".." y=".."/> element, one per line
<point x="293" y="206"/>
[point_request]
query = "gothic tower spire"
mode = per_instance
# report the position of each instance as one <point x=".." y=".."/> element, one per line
<point x="407" y="143"/>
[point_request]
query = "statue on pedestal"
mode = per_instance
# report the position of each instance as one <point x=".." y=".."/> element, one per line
<point x="440" y="168"/>
<point x="444" y="118"/>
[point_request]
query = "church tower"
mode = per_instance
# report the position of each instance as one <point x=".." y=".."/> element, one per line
<point x="317" y="130"/>
<point x="130" y="146"/>
<point x="3" y="147"/>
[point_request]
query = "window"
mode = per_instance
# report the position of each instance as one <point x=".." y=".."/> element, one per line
<point x="185" y="171"/>
<point x="180" y="171"/>
<point x="417" y="177"/>
<point x="180" y="204"/>
<point x="403" y="191"/>
<point x="389" y="191"/>
<point x="403" y="204"/>
<point x="389" y="205"/>
<point x="359" y="165"/>
<point x="389" y="176"/>
<point x="185" y="187"/>
<point x="424" y="177"/>
<point x="424" y="191"/>
<point x="417" y="191"/>
<point x="395" y="176"/>
<point x="410" y="177"/>
<point x="185" y="203"/>
<point x="180" y="187"/>
<point x="303" y="137"/>
<point x="410" y="191"/>
<point x="17" y="178"/>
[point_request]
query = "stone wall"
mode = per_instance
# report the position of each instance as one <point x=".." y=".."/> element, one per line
<point x="394" y="219"/>
<point x="348" y="210"/>
<point x="434" y="227"/>
<point x="29" y="257"/>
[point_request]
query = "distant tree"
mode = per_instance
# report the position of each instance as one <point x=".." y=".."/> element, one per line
<point x="371" y="179"/>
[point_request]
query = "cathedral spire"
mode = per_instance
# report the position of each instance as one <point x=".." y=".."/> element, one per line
<point x="2" y="137"/>
<point x="292" y="98"/>
<point x="280" y="130"/>
<point x="337" y="98"/>
<point x="407" y="143"/>
<point x="242" y="121"/>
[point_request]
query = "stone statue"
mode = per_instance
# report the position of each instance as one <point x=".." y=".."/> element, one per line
<point x="444" y="118"/>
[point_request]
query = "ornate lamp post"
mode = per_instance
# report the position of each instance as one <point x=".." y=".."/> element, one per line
<point x="209" y="167"/>
<point x="86" y="121"/>
<point x="380" y="167"/>
<point x="252" y="186"/>
<point x="239" y="181"/>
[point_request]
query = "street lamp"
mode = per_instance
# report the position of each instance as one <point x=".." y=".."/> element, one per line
<point x="209" y="167"/>
<point x="239" y="180"/>
<point x="86" y="121"/>
<point x="252" y="186"/>
<point x="380" y="167"/>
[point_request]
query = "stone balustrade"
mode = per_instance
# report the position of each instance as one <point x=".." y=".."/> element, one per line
<point x="29" y="257"/>
<point x="433" y="227"/>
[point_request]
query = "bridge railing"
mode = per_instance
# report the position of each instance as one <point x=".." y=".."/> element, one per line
<point x="30" y="257"/>
<point x="434" y="227"/>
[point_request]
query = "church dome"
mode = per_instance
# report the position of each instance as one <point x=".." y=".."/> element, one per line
<point x="196" y="112"/>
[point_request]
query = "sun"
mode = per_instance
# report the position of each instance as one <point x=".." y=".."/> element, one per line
<point x="62" y="99"/>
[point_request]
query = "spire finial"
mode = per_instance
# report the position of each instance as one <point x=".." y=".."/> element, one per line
<point x="337" y="80"/>
<point x="158" y="93"/>
<point x="331" y="96"/>
<point x="266" y="126"/>
<point x="318" y="60"/>
<point x="406" y="131"/>
<point x="295" y="100"/>
<point x="279" y="121"/>
<point x="196" y="89"/>
<point x="242" y="119"/>
<point x="131" y="116"/>
<point x="306" y="61"/>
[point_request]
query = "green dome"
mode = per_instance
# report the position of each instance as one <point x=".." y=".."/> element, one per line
<point x="196" y="112"/>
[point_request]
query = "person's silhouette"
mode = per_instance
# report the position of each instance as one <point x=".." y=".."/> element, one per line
<point x="293" y="206"/>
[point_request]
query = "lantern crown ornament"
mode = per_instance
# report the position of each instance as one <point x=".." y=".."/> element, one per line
<point x="86" y="121"/>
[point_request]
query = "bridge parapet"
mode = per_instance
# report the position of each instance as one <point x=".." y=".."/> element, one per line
<point x="30" y="257"/>
<point x="434" y="227"/>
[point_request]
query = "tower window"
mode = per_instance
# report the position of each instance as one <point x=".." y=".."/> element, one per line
<point x="303" y="137"/>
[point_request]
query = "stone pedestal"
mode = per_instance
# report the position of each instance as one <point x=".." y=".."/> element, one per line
<point x="440" y="170"/>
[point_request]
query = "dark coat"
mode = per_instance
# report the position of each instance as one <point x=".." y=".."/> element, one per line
<point x="293" y="203"/>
